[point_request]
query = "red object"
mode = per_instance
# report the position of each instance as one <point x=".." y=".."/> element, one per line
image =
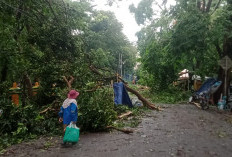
<point x="73" y="94"/>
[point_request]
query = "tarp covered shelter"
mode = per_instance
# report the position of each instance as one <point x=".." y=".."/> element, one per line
<point x="120" y="95"/>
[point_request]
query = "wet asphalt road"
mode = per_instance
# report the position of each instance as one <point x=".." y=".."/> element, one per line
<point x="179" y="130"/>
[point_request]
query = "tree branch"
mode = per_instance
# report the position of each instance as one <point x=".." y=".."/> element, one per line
<point x="140" y="97"/>
<point x="208" y="6"/>
<point x="127" y="131"/>
<point x="53" y="12"/>
<point x="69" y="82"/>
<point x="159" y="5"/>
<point x="198" y="3"/>
<point x="219" y="1"/>
<point x="219" y="51"/>
<point x="65" y="10"/>
<point x="203" y="6"/>
<point x="28" y="84"/>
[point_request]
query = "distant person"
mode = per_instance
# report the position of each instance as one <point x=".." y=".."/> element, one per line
<point x="69" y="111"/>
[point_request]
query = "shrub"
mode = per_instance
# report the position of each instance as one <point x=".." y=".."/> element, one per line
<point x="96" y="110"/>
<point x="23" y="122"/>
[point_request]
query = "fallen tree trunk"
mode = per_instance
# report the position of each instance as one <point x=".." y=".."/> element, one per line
<point x="127" y="131"/>
<point x="140" y="97"/>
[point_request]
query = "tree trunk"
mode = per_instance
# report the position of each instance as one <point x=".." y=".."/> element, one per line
<point x="203" y="6"/>
<point x="208" y="6"/>
<point x="217" y="94"/>
<point x="28" y="84"/>
<point x="4" y="72"/>
<point x="226" y="51"/>
<point x="140" y="97"/>
<point x="198" y="3"/>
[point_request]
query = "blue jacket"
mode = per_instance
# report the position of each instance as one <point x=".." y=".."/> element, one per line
<point x="69" y="114"/>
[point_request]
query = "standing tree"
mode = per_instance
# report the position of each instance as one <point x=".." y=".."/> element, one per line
<point x="195" y="34"/>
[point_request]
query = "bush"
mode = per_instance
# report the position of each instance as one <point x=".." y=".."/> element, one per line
<point x="169" y="96"/>
<point x="23" y="122"/>
<point x="96" y="110"/>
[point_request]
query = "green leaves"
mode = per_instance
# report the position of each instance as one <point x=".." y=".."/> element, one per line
<point x="143" y="12"/>
<point x="187" y="35"/>
<point x="106" y="35"/>
<point x="47" y="40"/>
<point x="97" y="110"/>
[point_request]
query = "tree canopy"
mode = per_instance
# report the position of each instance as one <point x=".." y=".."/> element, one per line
<point x="45" y="40"/>
<point x="190" y="35"/>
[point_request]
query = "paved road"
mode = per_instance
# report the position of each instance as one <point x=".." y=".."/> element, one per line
<point x="180" y="130"/>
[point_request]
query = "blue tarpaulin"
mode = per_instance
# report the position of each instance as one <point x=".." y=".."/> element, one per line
<point x="206" y="86"/>
<point x="120" y="95"/>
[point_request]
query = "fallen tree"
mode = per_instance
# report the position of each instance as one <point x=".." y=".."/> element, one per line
<point x="140" y="97"/>
<point x="118" y="78"/>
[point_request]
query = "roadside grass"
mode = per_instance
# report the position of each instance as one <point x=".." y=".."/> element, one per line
<point x="170" y="98"/>
<point x="172" y="95"/>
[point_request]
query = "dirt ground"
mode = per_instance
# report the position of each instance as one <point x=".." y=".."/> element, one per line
<point x="179" y="130"/>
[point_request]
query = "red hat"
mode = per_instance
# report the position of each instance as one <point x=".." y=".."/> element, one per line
<point x="73" y="94"/>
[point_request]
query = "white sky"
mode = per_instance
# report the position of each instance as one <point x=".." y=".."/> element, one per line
<point x="122" y="13"/>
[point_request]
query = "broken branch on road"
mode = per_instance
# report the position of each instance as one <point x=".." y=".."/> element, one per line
<point x="127" y="131"/>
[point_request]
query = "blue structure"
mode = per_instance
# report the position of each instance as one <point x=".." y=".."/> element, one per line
<point x="120" y="95"/>
<point x="206" y="86"/>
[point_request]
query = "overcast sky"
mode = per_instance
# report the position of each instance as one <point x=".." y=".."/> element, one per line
<point x="122" y="13"/>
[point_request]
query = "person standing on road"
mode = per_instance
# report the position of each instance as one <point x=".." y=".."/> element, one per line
<point x="69" y="111"/>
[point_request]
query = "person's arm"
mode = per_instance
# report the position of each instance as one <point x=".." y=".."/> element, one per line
<point x="61" y="114"/>
<point x="73" y="113"/>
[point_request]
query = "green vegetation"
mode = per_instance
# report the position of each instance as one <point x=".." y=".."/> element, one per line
<point x="44" y="40"/>
<point x="191" y="35"/>
<point x="21" y="123"/>
<point x="97" y="110"/>
<point x="169" y="96"/>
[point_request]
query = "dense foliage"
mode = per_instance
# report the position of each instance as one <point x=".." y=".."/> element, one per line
<point x="191" y="35"/>
<point x="44" y="40"/>
<point x="97" y="110"/>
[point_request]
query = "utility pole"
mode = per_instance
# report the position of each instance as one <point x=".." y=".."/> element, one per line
<point x="120" y="64"/>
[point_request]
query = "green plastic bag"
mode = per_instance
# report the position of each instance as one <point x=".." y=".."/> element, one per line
<point x="72" y="133"/>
